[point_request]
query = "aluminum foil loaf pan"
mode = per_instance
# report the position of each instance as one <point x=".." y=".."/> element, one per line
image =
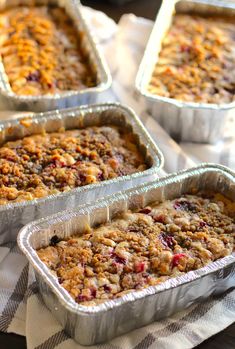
<point x="14" y="216"/>
<point x="185" y="121"/>
<point x="11" y="101"/>
<point x="94" y="324"/>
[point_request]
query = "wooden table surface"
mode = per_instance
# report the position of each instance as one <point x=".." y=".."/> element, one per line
<point x="148" y="9"/>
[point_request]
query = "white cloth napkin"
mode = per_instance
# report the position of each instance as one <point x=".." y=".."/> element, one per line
<point x="21" y="308"/>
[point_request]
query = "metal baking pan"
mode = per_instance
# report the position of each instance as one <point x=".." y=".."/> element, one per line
<point x="14" y="216"/>
<point x="95" y="324"/>
<point x="11" y="101"/>
<point x="185" y="121"/>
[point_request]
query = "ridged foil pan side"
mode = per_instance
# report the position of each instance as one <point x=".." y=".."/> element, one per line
<point x="184" y="121"/>
<point x="10" y="101"/>
<point x="15" y="215"/>
<point x="96" y="324"/>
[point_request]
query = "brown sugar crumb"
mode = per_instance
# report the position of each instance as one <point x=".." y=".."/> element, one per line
<point x="26" y="122"/>
<point x="41" y="51"/>
<point x="143" y="248"/>
<point x="197" y="61"/>
<point x="40" y="165"/>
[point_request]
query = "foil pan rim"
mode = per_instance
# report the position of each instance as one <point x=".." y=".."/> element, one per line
<point x="65" y="299"/>
<point x="182" y="104"/>
<point x="172" y="101"/>
<point x="99" y="88"/>
<point x="157" y="163"/>
<point x="219" y="3"/>
<point x="104" y="84"/>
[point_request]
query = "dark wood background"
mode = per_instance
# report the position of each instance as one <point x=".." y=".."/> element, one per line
<point x="147" y="9"/>
<point x="144" y="8"/>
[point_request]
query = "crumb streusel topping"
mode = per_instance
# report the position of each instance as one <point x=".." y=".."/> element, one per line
<point x="41" y="51"/>
<point x="50" y="163"/>
<point x="143" y="248"/>
<point x="197" y="61"/>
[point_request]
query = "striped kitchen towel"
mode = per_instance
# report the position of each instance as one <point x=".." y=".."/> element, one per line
<point x="22" y="310"/>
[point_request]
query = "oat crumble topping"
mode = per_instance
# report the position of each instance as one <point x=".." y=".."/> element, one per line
<point x="144" y="248"/>
<point x="41" y="51"/>
<point x="50" y="163"/>
<point x="197" y="61"/>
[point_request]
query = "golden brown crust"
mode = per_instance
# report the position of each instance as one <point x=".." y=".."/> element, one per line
<point x="40" y="165"/>
<point x="41" y="51"/>
<point x="143" y="248"/>
<point x="197" y="61"/>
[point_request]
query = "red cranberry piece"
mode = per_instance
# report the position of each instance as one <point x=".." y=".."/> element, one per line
<point x="118" y="259"/>
<point x="167" y="240"/>
<point x="100" y="177"/>
<point x="107" y="288"/>
<point x="33" y="77"/>
<point x="145" y="210"/>
<point x="202" y="224"/>
<point x="184" y="48"/>
<point x="10" y="158"/>
<point x="60" y="280"/>
<point x="81" y="298"/>
<point x="60" y="163"/>
<point x="176" y="258"/>
<point x="184" y="205"/>
<point x="82" y="177"/>
<point x="75" y="166"/>
<point x="209" y="56"/>
<point x="145" y="275"/>
<point x="139" y="267"/>
<point x="51" y="166"/>
<point x="137" y="285"/>
<point x="57" y="163"/>
<point x="170" y="241"/>
<point x="93" y="292"/>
